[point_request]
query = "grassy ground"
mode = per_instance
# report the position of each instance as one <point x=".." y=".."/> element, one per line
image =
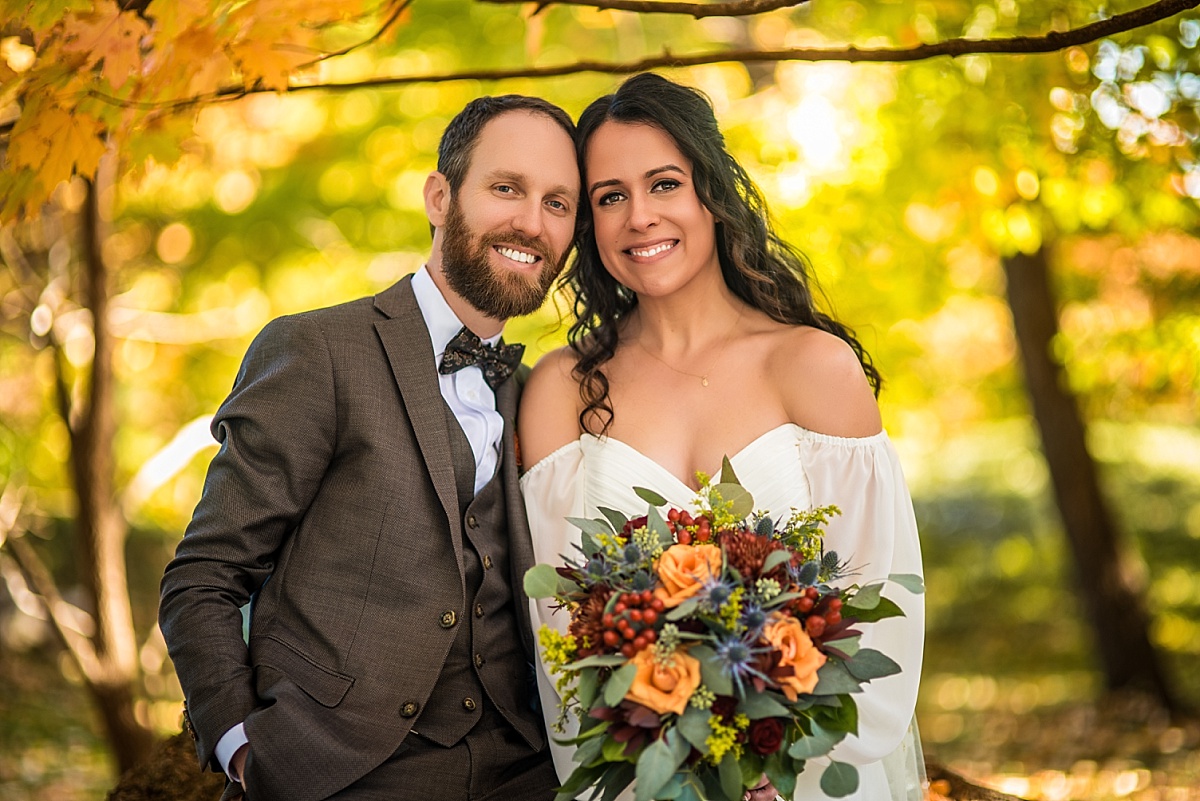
<point x="1008" y="691"/>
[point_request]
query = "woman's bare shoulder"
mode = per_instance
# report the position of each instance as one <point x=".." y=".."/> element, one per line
<point x="822" y="384"/>
<point x="550" y="406"/>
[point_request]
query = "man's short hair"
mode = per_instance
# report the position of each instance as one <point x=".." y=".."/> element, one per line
<point x="459" y="138"/>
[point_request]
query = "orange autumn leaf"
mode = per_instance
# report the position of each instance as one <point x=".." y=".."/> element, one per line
<point x="107" y="35"/>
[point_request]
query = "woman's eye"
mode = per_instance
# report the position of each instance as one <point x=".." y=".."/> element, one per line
<point x="665" y="185"/>
<point x="609" y="198"/>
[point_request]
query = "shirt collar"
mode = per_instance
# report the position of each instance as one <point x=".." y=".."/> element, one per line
<point x="440" y="319"/>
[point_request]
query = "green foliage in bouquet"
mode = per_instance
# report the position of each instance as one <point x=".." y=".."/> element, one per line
<point x="708" y="647"/>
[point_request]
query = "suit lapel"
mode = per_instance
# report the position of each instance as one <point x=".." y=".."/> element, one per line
<point x="521" y="556"/>
<point x="405" y="339"/>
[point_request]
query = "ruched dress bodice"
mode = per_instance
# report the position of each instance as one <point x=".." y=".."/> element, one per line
<point x="787" y="467"/>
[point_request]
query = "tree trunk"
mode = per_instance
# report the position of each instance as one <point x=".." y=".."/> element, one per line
<point x="1113" y="606"/>
<point x="100" y="528"/>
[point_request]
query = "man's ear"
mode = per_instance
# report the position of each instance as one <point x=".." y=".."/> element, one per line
<point x="437" y="198"/>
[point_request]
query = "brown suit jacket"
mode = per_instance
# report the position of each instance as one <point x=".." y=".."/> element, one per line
<point x="332" y="504"/>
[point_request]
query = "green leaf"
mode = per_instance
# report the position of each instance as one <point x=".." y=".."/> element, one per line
<point x="742" y="502"/>
<point x="588" y="686"/>
<point x="598" y="660"/>
<point x="679" y="745"/>
<point x="588" y="751"/>
<point x="615" y="781"/>
<point x="616" y="519"/>
<point x="817" y="744"/>
<point x="658" y="527"/>
<point x="650" y="496"/>
<point x="693" y="725"/>
<point x="614" y="751"/>
<point x="839" y="779"/>
<point x="909" y="581"/>
<point x="731" y="777"/>
<point x="685" y="609"/>
<point x="655" y="767"/>
<point x="619" y="683"/>
<point x="775" y="559"/>
<point x="782" y="774"/>
<point x="870" y="664"/>
<point x="847" y="645"/>
<point x="866" y="598"/>
<point x="834" y="679"/>
<point x="711" y="674"/>
<point x="727" y="474"/>
<point x="763" y="705"/>
<point x="886" y="608"/>
<point x="542" y="581"/>
<point x="594" y="527"/>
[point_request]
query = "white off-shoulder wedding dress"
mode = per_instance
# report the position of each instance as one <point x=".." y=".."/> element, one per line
<point x="787" y="467"/>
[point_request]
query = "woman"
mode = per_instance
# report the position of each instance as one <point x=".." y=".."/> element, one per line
<point x="697" y="337"/>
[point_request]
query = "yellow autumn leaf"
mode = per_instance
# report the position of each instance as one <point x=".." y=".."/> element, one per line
<point x="55" y="143"/>
<point x="173" y="18"/>
<point x="107" y="35"/>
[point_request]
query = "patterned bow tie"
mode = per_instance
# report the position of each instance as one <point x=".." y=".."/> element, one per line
<point x="496" y="361"/>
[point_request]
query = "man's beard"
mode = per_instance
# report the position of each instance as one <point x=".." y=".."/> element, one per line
<point x="496" y="292"/>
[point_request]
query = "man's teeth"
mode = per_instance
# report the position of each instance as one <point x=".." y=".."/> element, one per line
<point x="517" y="255"/>
<point x="654" y="251"/>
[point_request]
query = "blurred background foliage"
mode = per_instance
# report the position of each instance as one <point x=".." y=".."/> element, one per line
<point x="904" y="184"/>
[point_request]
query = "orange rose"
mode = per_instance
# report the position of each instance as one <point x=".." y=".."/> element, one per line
<point x="664" y="688"/>
<point x="682" y="569"/>
<point x="796" y="650"/>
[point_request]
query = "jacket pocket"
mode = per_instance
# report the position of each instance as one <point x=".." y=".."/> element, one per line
<point x="326" y="686"/>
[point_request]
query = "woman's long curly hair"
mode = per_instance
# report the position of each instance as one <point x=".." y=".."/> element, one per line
<point x="759" y="267"/>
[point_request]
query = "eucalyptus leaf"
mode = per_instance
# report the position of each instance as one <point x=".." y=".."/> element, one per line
<point x="541" y="581"/>
<point x="870" y="664"/>
<point x="589" y="526"/>
<point x="685" y="609"/>
<point x="615" y="519"/>
<point x="817" y="744"/>
<point x="587" y="687"/>
<point x="711" y="674"/>
<point x="775" y="559"/>
<point x="693" y="725"/>
<point x="727" y="474"/>
<point x="839" y="779"/>
<point x="673" y="789"/>
<point x="909" y="581"/>
<point x="866" y="598"/>
<point x="886" y="608"/>
<point x="655" y="767"/>
<point x="588" y="544"/>
<point x="763" y="705"/>
<point x="598" y="660"/>
<point x="782" y="774"/>
<point x="650" y="496"/>
<point x="834" y="679"/>
<point x="847" y="645"/>
<point x="619" y="683"/>
<point x="658" y="527"/>
<point x="742" y="502"/>
<point x="731" y="776"/>
<point x="680" y="747"/>
<point x="615" y="781"/>
<point x="588" y="751"/>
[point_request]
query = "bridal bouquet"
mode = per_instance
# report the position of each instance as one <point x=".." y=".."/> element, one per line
<point x="708" y="647"/>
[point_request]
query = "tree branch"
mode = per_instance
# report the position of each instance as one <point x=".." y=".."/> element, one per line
<point x="389" y="22"/>
<point x="1014" y="45"/>
<point x="38" y="577"/>
<point x="733" y="8"/>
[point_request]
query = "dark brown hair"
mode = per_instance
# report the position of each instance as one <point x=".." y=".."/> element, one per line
<point x="759" y="267"/>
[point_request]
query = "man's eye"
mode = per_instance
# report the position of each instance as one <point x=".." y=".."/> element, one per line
<point x="505" y="189"/>
<point x="558" y="204"/>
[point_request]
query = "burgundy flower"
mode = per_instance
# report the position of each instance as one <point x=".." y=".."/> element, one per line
<point x="766" y="735"/>
<point x="636" y="523"/>
<point x="724" y="707"/>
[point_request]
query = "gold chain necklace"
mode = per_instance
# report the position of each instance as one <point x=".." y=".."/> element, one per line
<point x="720" y="349"/>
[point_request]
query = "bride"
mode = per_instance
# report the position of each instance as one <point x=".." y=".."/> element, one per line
<point x="697" y="337"/>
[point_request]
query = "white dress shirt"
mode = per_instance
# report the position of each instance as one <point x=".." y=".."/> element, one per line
<point x="469" y="398"/>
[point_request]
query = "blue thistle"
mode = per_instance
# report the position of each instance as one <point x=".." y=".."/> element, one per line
<point x="715" y="592"/>
<point x="736" y="657"/>
<point x="753" y="618"/>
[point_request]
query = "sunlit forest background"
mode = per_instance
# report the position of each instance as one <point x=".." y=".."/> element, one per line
<point x="910" y="187"/>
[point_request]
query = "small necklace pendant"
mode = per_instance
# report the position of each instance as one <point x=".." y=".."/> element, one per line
<point x="704" y="381"/>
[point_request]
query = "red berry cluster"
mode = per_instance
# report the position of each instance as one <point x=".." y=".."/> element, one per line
<point x="821" y="612"/>
<point x="687" y="528"/>
<point x="630" y="624"/>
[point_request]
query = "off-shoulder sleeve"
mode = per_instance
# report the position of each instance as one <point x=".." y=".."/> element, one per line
<point x="876" y="533"/>
<point x="553" y="490"/>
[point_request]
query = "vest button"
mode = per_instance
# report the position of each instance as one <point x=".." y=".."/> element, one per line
<point x="478" y="660"/>
<point x="409" y="709"/>
<point x="448" y="619"/>
<point x="487" y="562"/>
<point x="472" y="522"/>
<point x="469" y="704"/>
<point x="478" y="610"/>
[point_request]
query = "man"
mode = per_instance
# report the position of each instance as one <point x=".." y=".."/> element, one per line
<point x="365" y="498"/>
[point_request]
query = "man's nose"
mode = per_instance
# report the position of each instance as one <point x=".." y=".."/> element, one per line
<point x="528" y="219"/>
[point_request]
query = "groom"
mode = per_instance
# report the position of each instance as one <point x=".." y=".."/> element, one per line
<point x="365" y="500"/>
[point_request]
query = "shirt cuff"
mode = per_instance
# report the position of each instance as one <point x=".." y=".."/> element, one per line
<point x="228" y="745"/>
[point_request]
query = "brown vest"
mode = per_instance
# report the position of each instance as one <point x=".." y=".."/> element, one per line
<point x="486" y="664"/>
